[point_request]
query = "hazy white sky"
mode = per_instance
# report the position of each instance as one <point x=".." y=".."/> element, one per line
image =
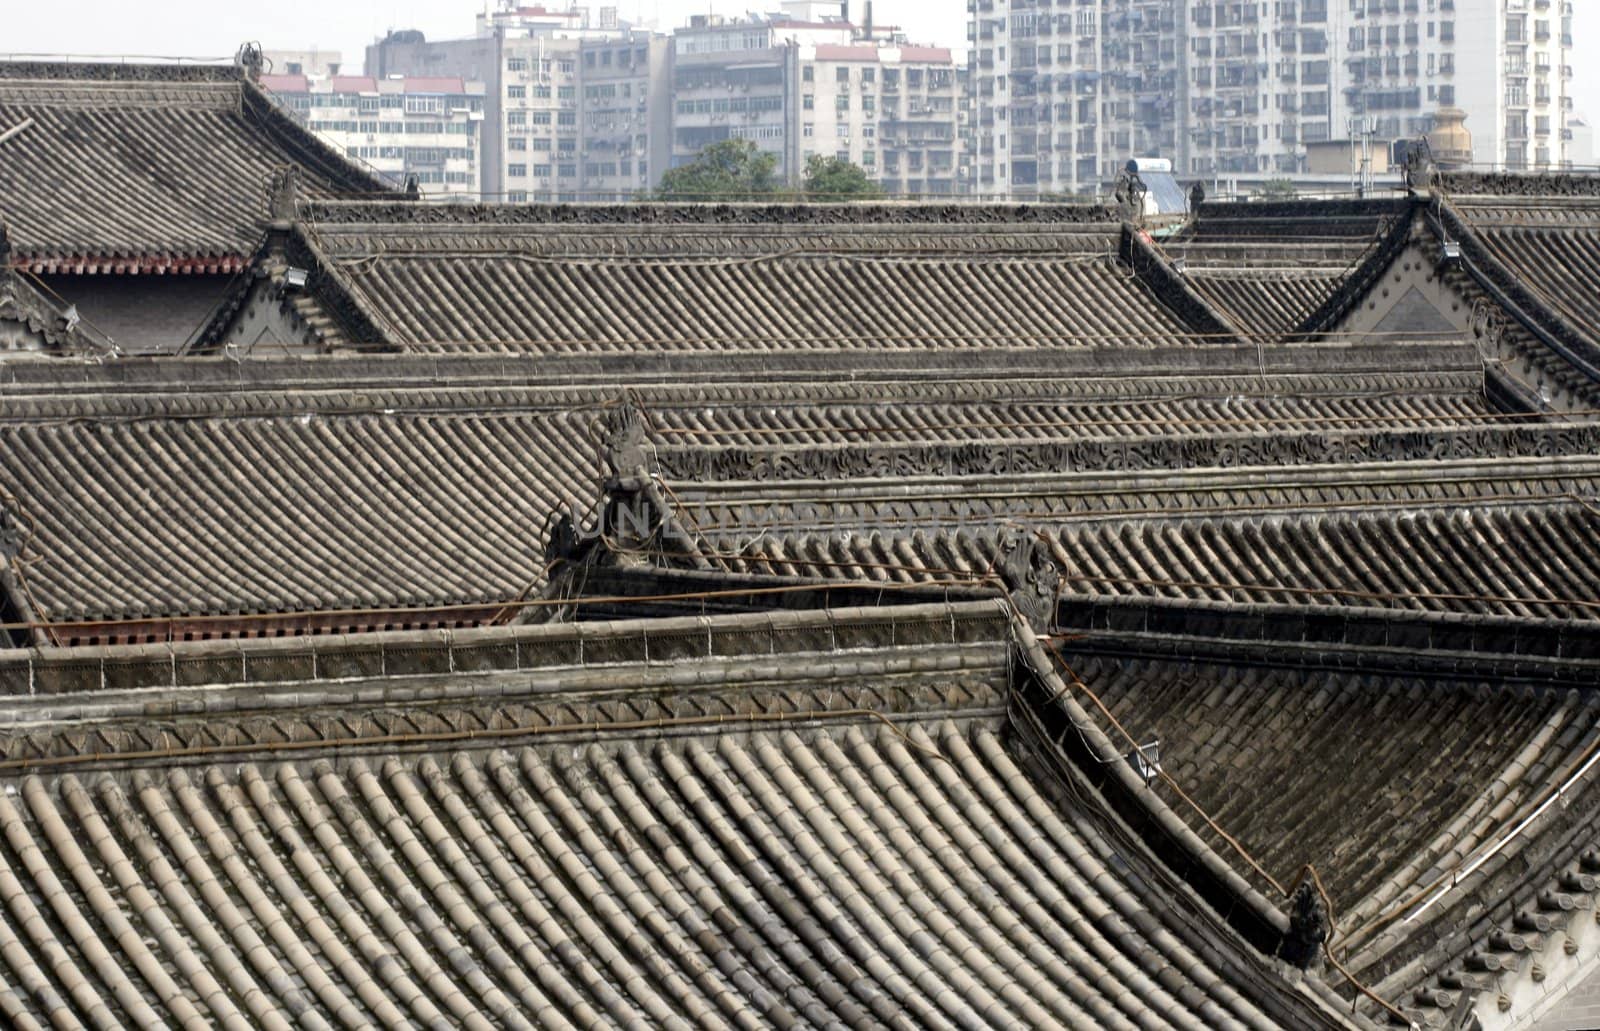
<point x="210" y="28"/>
<point x="213" y="29"/>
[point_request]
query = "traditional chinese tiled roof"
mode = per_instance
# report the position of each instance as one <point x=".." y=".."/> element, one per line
<point x="1479" y="881"/>
<point x="148" y="168"/>
<point x="1509" y="537"/>
<point x="1534" y="257"/>
<point x="834" y="830"/>
<point x="517" y="279"/>
<point x="295" y="514"/>
<point x="30" y="319"/>
<point x="376" y="492"/>
<point x="1271" y="269"/>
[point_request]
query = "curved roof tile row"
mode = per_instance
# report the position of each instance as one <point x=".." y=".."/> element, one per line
<point x="1534" y="560"/>
<point x="514" y="306"/>
<point x="859" y="877"/>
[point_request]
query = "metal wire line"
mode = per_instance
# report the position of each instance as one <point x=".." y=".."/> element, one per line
<point x="1308" y="869"/>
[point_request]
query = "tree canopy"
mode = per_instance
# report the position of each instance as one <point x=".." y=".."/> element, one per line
<point x="832" y="179"/>
<point x="1277" y="189"/>
<point x="728" y="170"/>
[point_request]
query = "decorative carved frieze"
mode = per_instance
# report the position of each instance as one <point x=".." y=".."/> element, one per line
<point x="1004" y="458"/>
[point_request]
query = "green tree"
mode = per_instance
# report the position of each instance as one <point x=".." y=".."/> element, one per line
<point x="728" y="170"/>
<point x="832" y="179"/>
<point x="1277" y="189"/>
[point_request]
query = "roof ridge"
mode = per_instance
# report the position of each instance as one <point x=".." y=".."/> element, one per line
<point x="109" y="72"/>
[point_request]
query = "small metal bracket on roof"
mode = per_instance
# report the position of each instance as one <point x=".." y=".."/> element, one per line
<point x="294" y="278"/>
<point x="1452" y="250"/>
<point x="1180" y="265"/>
<point x="1146" y="761"/>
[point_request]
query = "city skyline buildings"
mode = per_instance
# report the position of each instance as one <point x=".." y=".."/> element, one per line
<point x="1238" y="93"/>
<point x="1224" y="135"/>
<point x="192" y="29"/>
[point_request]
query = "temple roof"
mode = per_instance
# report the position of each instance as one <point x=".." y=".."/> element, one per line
<point x="516" y="279"/>
<point x="367" y="493"/>
<point x="148" y="168"/>
<point x="1272" y="269"/>
<point x="854" y="835"/>
<point x="986" y="615"/>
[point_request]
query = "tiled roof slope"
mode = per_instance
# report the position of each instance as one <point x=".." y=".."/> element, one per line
<point x="1540" y="254"/>
<point x="294" y="514"/>
<point x="889" y="858"/>
<point x="1327" y="749"/>
<point x="1272" y="267"/>
<point x="1479" y="880"/>
<point x="144" y="168"/>
<point x="367" y="492"/>
<point x="1514" y="537"/>
<point x="519" y="279"/>
<point x="31" y="320"/>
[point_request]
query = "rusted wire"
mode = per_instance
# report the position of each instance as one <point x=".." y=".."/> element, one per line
<point x="1234" y="843"/>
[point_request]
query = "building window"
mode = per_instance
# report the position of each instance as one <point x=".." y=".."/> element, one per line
<point x="516" y="92"/>
<point x="517" y="171"/>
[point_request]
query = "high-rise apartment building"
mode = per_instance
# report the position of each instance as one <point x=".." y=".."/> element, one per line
<point x="806" y="82"/>
<point x="1063" y="95"/>
<point x="568" y="109"/>
<point x="402" y="126"/>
